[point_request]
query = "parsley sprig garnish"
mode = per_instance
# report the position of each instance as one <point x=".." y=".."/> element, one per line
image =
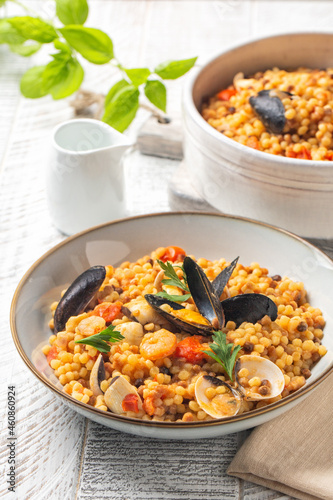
<point x="225" y="354"/>
<point x="100" y="340"/>
<point x="174" y="298"/>
<point x="173" y="280"/>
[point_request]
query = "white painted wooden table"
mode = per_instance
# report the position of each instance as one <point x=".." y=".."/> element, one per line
<point x="60" y="455"/>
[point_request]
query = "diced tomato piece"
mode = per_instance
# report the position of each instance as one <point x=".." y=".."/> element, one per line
<point x="131" y="403"/>
<point x="191" y="349"/>
<point x="329" y="156"/>
<point x="107" y="310"/>
<point x="53" y="353"/>
<point x="172" y="254"/>
<point x="225" y="94"/>
<point x="304" y="154"/>
<point x="253" y="142"/>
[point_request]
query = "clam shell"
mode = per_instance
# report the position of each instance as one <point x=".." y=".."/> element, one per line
<point x="222" y="405"/>
<point x="265" y="370"/>
<point x="97" y="375"/>
<point x="118" y="389"/>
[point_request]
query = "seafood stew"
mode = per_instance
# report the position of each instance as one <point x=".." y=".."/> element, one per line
<point x="157" y="339"/>
<point x="285" y="113"/>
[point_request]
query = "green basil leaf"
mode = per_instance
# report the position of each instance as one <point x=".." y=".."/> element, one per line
<point x="63" y="47"/>
<point x="63" y="77"/>
<point x="122" y="109"/>
<point x="2" y="2"/>
<point x="53" y="72"/>
<point x="93" y="44"/>
<point x="72" y="11"/>
<point x="71" y="80"/>
<point x="32" y="28"/>
<point x="114" y="91"/>
<point x="25" y="50"/>
<point x="170" y="70"/>
<point x="156" y="93"/>
<point x="8" y="34"/>
<point x="138" y="75"/>
<point x="32" y="83"/>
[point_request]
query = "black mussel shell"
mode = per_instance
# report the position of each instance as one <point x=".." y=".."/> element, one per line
<point x="155" y="301"/>
<point x="270" y="110"/>
<point x="203" y="294"/>
<point x="192" y="328"/>
<point x="250" y="307"/>
<point x="222" y="279"/>
<point x="78" y="295"/>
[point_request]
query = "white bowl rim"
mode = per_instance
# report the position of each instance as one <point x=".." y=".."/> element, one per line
<point x="151" y="423"/>
<point x="253" y="153"/>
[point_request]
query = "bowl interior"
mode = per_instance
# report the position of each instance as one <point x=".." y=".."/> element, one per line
<point x="203" y="235"/>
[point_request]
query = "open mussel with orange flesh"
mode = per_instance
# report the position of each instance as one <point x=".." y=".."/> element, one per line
<point x="269" y="107"/>
<point x="210" y="316"/>
<point x="203" y="294"/>
<point x="78" y="295"/>
<point x="213" y="314"/>
<point x="184" y="319"/>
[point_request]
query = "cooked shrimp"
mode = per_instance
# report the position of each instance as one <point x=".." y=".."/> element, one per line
<point x="158" y="344"/>
<point x="90" y="325"/>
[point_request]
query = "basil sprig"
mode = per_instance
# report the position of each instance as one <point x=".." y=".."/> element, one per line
<point x="63" y="76"/>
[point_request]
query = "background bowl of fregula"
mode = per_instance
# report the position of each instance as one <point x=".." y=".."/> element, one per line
<point x="204" y="235"/>
<point x="294" y="194"/>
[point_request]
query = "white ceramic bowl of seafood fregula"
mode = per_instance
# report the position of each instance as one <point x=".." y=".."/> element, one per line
<point x="203" y="235"/>
<point x="294" y="194"/>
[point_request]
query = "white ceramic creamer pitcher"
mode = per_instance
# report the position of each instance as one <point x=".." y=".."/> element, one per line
<point x="85" y="179"/>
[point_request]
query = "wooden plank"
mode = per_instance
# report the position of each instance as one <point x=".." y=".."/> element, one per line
<point x="12" y="68"/>
<point x="120" y="466"/>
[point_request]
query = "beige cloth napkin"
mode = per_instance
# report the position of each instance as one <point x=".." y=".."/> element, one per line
<point x="294" y="452"/>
